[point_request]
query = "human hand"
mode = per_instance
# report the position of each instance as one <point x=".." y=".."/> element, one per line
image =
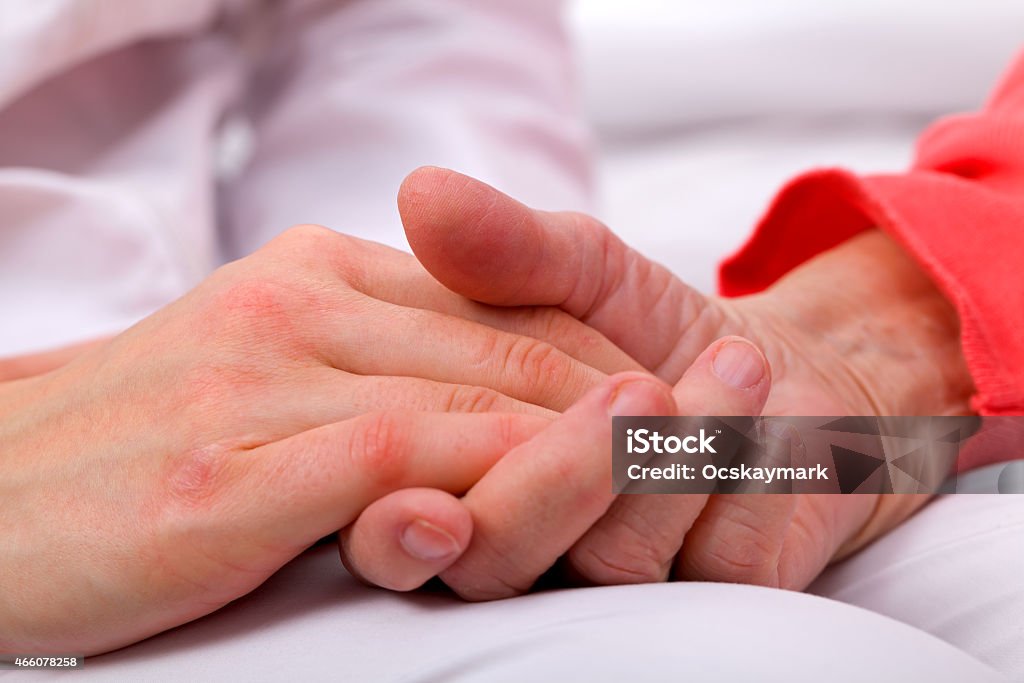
<point x="859" y="330"/>
<point x="172" y="469"/>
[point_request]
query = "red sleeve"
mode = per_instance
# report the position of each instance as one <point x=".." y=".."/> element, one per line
<point x="959" y="211"/>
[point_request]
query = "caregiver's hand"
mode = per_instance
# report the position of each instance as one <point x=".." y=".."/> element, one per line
<point x="859" y="330"/>
<point x="172" y="469"/>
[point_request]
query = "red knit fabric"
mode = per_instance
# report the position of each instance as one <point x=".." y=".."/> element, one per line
<point x="959" y="211"/>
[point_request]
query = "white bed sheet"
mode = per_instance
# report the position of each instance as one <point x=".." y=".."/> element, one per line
<point x="948" y="582"/>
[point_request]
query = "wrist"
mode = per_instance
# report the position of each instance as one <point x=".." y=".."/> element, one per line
<point x="885" y="322"/>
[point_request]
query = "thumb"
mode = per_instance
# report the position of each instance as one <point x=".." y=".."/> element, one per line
<point x="487" y="246"/>
<point x="736" y="538"/>
<point x="406" y="538"/>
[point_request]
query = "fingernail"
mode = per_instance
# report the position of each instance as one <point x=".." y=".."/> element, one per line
<point x="738" y="364"/>
<point x="424" y="541"/>
<point x="634" y="397"/>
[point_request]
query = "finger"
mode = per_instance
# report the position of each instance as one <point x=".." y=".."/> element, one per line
<point x="544" y="494"/>
<point x="310" y="397"/>
<point x="406" y="538"/>
<point x="377" y="338"/>
<point x="288" y="494"/>
<point x="346" y="395"/>
<point x="488" y="247"/>
<point x="639" y="538"/>
<point x="352" y="269"/>
<point x="398" y="278"/>
<point x="818" y="528"/>
<point x="362" y="394"/>
<point x="739" y="538"/>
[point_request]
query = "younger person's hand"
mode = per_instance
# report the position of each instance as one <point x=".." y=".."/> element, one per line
<point x="168" y="471"/>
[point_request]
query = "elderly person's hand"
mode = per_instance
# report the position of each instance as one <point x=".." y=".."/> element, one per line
<point x="166" y="472"/>
<point x="859" y="330"/>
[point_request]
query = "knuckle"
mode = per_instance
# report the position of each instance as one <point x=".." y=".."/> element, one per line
<point x="307" y="237"/>
<point x="196" y="479"/>
<point x="379" y="449"/>
<point x="733" y="551"/>
<point x="318" y="249"/>
<point x="551" y="323"/>
<point x="193" y="516"/>
<point x="588" y="226"/>
<point x="635" y="562"/>
<point x="252" y="298"/>
<point x="485" y="591"/>
<point x="489" y="348"/>
<point x="469" y="399"/>
<point x="729" y="565"/>
<point x="496" y="567"/>
<point x="251" y="318"/>
<point x="538" y="364"/>
<point x="626" y="548"/>
<point x="267" y="309"/>
<point x="558" y="327"/>
<point x="474" y="585"/>
<point x="507" y="431"/>
<point x="538" y="359"/>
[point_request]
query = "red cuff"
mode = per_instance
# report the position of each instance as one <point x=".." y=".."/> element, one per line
<point x="967" y="237"/>
<point x="959" y="213"/>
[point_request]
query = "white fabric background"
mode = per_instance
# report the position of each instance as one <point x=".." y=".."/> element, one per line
<point x="703" y="110"/>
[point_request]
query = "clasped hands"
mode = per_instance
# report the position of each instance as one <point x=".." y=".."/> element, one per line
<point x="449" y="413"/>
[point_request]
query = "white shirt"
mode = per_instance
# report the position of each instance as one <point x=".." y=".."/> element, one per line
<point x="145" y="142"/>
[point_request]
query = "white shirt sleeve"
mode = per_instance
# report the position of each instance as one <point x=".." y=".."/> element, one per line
<point x="354" y="96"/>
<point x="115" y="197"/>
<point x="106" y="209"/>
